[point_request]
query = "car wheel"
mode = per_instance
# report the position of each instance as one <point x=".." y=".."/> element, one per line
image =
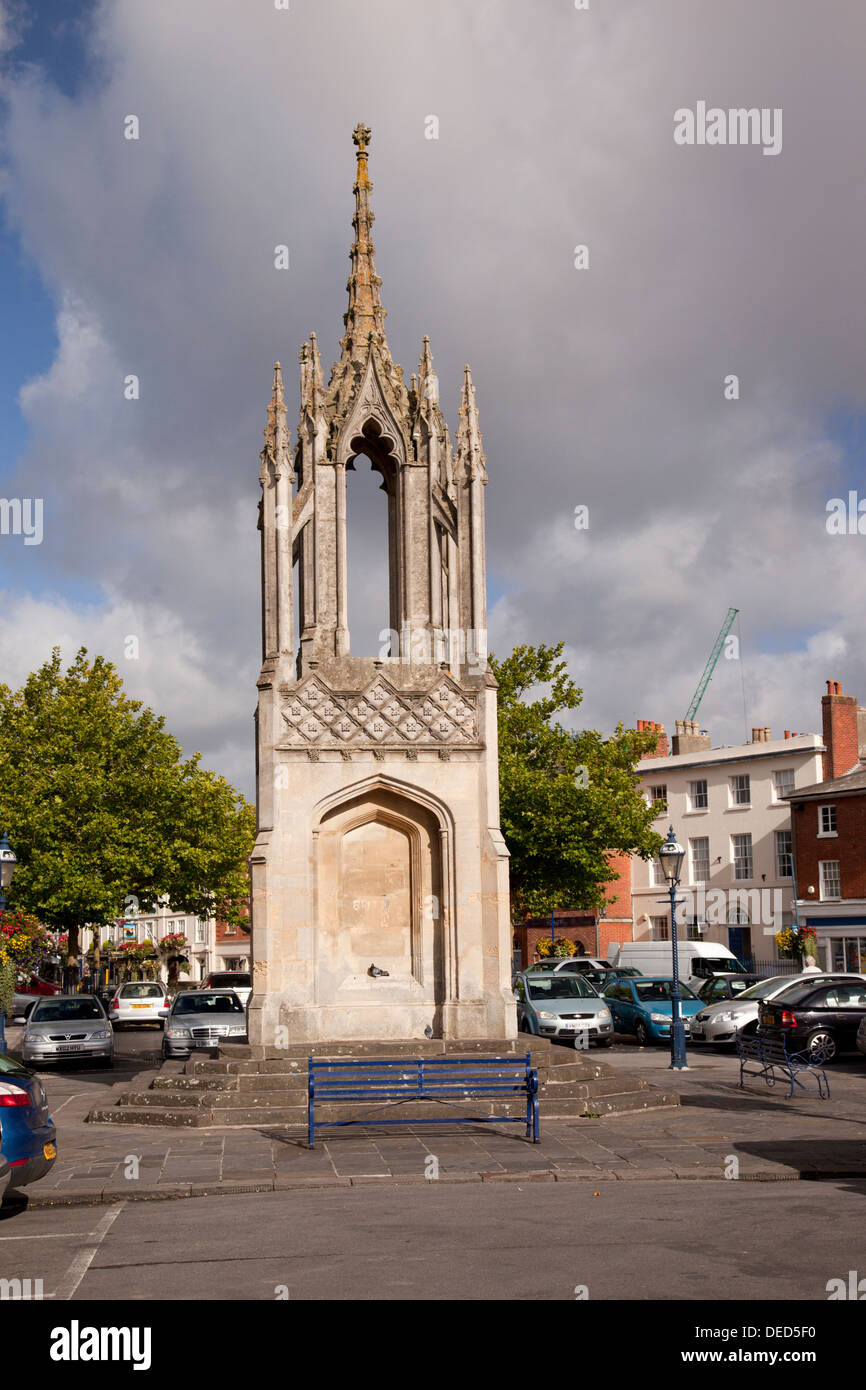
<point x="821" y="1044"/>
<point x="641" y="1033"/>
<point x="603" y="1042"/>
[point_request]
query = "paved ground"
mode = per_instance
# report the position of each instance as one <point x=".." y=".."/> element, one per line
<point x="522" y="1241"/>
<point x="719" y="1132"/>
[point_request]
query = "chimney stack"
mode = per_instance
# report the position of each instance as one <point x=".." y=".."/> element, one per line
<point x="661" y="748"/>
<point x="840" y="730"/>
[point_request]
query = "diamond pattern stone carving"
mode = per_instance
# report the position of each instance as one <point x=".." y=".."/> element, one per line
<point x="380" y="716"/>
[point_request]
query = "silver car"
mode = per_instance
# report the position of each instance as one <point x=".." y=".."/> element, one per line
<point x="720" y="1023"/>
<point x="68" y="1027"/>
<point x="139" y="1002"/>
<point x="556" y="1005"/>
<point x="203" y="1018"/>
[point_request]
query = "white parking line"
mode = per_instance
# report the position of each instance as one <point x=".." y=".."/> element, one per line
<point x="80" y="1265"/>
<point x="54" y="1235"/>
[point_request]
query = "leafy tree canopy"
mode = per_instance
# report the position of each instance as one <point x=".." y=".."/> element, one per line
<point x="99" y="804"/>
<point x="567" y="798"/>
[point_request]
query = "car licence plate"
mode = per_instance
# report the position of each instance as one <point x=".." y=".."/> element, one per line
<point x="141" y="1006"/>
<point x="49" y="1151"/>
<point x="697" y="1031"/>
<point x="71" y="1047"/>
<point x="767" y="1018"/>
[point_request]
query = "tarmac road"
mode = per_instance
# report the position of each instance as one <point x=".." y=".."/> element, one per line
<point x="637" y="1241"/>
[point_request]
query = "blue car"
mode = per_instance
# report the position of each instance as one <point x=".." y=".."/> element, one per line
<point x="642" y="1006"/>
<point x="27" y="1134"/>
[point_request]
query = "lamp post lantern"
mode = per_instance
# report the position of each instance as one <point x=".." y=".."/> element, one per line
<point x="671" y="856"/>
<point x="8" y="861"/>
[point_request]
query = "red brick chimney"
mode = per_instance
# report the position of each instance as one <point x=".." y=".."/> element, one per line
<point x="662" y="747"/>
<point x="839" y="713"/>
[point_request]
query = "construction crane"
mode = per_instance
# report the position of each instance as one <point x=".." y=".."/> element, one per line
<point x="711" y="663"/>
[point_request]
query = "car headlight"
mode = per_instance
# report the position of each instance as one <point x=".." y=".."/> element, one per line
<point x="723" y="1018"/>
<point x="30" y="1038"/>
<point x="543" y="1013"/>
<point x="100" y="1035"/>
<point x="603" y="1015"/>
<point x="177" y="1032"/>
<point x="660" y="1018"/>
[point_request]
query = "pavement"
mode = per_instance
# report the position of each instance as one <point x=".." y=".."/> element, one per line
<point x="719" y="1133"/>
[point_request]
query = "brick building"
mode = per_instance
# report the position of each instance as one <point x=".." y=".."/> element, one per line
<point x="829" y="838"/>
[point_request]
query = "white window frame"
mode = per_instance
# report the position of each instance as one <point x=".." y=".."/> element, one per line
<point x="693" y="805"/>
<point x="660" y="929"/>
<point x="693" y="859"/>
<point x="824" y="864"/>
<point x="659" y="801"/>
<point x="786" y="773"/>
<point x="735" y="791"/>
<point x="743" y="878"/>
<point x="827" y="831"/>
<point x="786" y="872"/>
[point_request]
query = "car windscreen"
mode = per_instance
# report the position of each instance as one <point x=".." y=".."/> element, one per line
<point x="230" y="981"/>
<point x="197" y="1003"/>
<point x="141" y="991"/>
<point x="560" y="987"/>
<point x="739" y="987"/>
<point x="764" y="988"/>
<point x="62" y="1010"/>
<point x="659" y="991"/>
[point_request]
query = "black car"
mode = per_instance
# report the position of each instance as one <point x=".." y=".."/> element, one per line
<point x="720" y="987"/>
<point x="819" y="1018"/>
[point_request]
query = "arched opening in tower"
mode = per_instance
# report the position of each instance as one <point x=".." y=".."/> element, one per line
<point x="370" y="532"/>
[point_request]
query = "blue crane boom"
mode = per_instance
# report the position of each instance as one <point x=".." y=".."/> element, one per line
<point x="711" y="663"/>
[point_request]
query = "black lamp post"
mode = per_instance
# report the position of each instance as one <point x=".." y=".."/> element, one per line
<point x="8" y="861"/>
<point x="671" y="856"/>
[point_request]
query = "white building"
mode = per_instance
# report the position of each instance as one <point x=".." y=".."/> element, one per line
<point x="153" y="926"/>
<point x="726" y="807"/>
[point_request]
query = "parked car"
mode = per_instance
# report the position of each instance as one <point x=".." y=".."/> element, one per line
<point x="239" y="981"/>
<point x="555" y="1005"/>
<point x="721" y="1023"/>
<point x="138" y="1002"/>
<point x="623" y="972"/>
<point x="5" y="1174"/>
<point x="69" y="1027"/>
<point x="643" y="1006"/>
<point x="720" y="987"/>
<point x="588" y="966"/>
<point x="861" y="1036"/>
<point x="201" y="1018"/>
<point x="822" y="1019"/>
<point x="27" y="1134"/>
<point x="30" y="992"/>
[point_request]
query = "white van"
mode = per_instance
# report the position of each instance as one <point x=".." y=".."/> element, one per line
<point x="697" y="960"/>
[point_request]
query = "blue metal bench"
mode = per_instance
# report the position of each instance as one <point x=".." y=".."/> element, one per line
<point x="771" y="1055"/>
<point x="397" y="1080"/>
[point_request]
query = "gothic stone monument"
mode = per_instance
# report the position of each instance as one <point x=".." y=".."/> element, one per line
<point x="379" y="875"/>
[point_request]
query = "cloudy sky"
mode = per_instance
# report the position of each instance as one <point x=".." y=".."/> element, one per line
<point x="601" y="387"/>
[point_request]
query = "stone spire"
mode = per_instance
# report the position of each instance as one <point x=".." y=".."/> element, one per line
<point x="277" y="439"/>
<point x="470" y="454"/>
<point x="365" y="314"/>
<point x="312" y="381"/>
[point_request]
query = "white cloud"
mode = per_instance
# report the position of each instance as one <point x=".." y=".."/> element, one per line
<point x="601" y="387"/>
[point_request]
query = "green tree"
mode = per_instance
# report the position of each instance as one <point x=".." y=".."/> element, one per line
<point x="99" y="805"/>
<point x="567" y="798"/>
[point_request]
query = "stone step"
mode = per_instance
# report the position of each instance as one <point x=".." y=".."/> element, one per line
<point x="156" y="1115"/>
<point x="178" y="1100"/>
<point x="273" y="1115"/>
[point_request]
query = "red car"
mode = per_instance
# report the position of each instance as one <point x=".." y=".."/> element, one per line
<point x="28" y="991"/>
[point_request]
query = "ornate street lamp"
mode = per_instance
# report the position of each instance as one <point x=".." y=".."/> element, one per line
<point x="671" y="856"/>
<point x="8" y="862"/>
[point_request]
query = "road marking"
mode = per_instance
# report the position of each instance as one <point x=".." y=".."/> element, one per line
<point x="81" y="1264"/>
<point x="55" y="1235"/>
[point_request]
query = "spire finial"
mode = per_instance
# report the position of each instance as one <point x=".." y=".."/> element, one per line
<point x="469" y="451"/>
<point x="365" y="315"/>
<point x="277" y="439"/>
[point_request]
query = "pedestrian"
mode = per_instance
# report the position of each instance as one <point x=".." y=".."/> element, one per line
<point x="811" y="968"/>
